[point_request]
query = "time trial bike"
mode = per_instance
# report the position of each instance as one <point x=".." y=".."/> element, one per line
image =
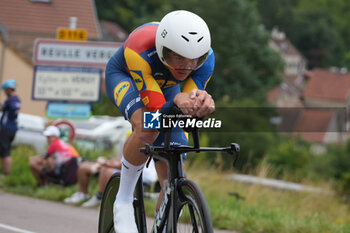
<point x="183" y="207"/>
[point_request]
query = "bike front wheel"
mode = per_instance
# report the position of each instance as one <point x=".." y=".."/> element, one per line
<point x="105" y="223"/>
<point x="192" y="208"/>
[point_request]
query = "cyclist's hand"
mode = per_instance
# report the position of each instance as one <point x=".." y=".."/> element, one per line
<point x="185" y="103"/>
<point x="204" y="103"/>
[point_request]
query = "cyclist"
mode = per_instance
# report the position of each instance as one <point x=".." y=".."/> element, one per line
<point x="145" y="75"/>
<point x="8" y="123"/>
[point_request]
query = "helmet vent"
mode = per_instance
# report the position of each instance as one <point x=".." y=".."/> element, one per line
<point x="185" y="38"/>
<point x="192" y="33"/>
<point x="200" y="39"/>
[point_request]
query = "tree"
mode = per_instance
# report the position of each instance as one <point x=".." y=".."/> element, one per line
<point x="318" y="32"/>
<point x="105" y="107"/>
<point x="129" y="14"/>
<point x="317" y="38"/>
<point x="278" y="13"/>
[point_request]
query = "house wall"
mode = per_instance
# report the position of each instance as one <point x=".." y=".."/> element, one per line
<point x="16" y="67"/>
<point x="336" y="131"/>
<point x="322" y="103"/>
<point x="294" y="65"/>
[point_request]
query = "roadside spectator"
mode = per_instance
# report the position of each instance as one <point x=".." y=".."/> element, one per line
<point x="58" y="153"/>
<point x="105" y="169"/>
<point x="8" y="123"/>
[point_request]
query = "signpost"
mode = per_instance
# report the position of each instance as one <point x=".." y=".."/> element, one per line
<point x="71" y="34"/>
<point x="59" y="52"/>
<point x="57" y="77"/>
<point x="67" y="83"/>
<point x="68" y="110"/>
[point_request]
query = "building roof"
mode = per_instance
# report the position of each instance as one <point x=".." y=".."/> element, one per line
<point x="327" y="85"/>
<point x="44" y="17"/>
<point x="113" y="32"/>
<point x="281" y="42"/>
<point x="286" y="47"/>
<point x="313" y="124"/>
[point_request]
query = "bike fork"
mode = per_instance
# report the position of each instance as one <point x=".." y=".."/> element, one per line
<point x="171" y="225"/>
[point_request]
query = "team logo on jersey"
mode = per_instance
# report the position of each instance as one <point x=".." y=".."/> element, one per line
<point x="145" y="100"/>
<point x="137" y="76"/>
<point x="169" y="83"/>
<point x="160" y="82"/>
<point x="120" y="91"/>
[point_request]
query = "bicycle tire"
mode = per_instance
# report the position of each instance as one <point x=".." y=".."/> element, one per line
<point x="105" y="223"/>
<point x="193" y="211"/>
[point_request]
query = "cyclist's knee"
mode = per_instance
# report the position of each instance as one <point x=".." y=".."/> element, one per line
<point x="148" y="137"/>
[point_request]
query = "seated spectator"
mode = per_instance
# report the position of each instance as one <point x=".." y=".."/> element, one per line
<point x="105" y="168"/>
<point x="58" y="153"/>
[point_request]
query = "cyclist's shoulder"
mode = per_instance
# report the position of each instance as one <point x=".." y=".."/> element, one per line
<point x="142" y="38"/>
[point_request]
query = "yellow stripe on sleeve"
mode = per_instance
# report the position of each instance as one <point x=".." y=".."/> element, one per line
<point x="205" y="85"/>
<point x="135" y="62"/>
<point x="189" y="85"/>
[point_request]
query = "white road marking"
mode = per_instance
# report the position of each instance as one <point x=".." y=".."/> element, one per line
<point x="11" y="228"/>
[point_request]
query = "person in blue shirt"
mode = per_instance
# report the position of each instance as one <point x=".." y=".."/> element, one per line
<point x="8" y="123"/>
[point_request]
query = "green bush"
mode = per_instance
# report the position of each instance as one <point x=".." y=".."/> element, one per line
<point x="20" y="173"/>
<point x="290" y="157"/>
<point x="345" y="183"/>
<point x="247" y="124"/>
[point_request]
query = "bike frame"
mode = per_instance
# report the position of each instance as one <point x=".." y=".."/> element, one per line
<point x="173" y="157"/>
<point x="167" y="211"/>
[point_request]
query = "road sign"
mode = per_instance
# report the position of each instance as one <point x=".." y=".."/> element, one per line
<point x="68" y="111"/>
<point x="67" y="83"/>
<point x="71" y="34"/>
<point x="60" y="52"/>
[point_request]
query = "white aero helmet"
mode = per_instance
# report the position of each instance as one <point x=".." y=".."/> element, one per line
<point x="184" y="33"/>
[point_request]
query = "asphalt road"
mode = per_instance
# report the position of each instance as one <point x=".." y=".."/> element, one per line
<point x="28" y="215"/>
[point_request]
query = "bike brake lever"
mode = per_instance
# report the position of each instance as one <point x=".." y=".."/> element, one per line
<point x="235" y="148"/>
<point x="148" y="151"/>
